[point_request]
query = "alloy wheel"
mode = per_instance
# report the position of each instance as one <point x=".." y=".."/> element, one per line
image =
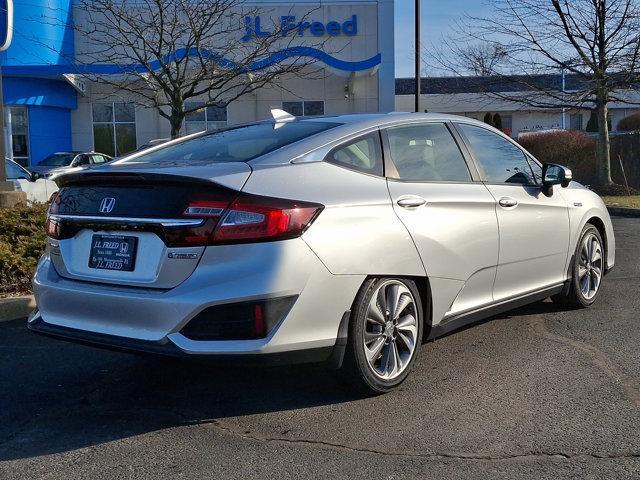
<point x="590" y="266"/>
<point x="391" y="330"/>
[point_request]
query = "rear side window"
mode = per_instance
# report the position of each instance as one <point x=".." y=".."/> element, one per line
<point x="82" y="160"/>
<point x="501" y="161"/>
<point x="239" y="144"/>
<point x="427" y="153"/>
<point x="363" y="154"/>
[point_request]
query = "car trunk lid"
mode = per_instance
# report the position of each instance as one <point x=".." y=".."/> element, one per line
<point x="138" y="227"/>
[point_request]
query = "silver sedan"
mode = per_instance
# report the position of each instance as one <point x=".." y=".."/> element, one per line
<point x="349" y="240"/>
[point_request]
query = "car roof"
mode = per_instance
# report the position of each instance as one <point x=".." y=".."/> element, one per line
<point x="363" y="119"/>
<point x="346" y="126"/>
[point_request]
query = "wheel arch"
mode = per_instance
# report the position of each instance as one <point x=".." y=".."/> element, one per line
<point x="598" y="223"/>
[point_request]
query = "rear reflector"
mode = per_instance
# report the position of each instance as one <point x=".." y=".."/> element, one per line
<point x="238" y="321"/>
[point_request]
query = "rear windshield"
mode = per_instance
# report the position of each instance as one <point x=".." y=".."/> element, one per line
<point x="58" y="160"/>
<point x="239" y="144"/>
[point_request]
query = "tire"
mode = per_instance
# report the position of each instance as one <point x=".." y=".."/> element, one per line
<point x="383" y="344"/>
<point x="587" y="271"/>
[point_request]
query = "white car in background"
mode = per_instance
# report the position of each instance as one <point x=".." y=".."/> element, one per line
<point x="64" y="162"/>
<point x="37" y="189"/>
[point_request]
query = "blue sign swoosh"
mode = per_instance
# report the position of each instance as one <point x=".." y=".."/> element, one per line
<point x="274" y="58"/>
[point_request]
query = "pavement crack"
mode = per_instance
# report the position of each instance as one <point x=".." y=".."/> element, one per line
<point x="416" y="455"/>
<point x="597" y="356"/>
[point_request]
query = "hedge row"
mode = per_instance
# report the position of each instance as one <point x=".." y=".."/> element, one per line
<point x="22" y="241"/>
<point x="577" y="150"/>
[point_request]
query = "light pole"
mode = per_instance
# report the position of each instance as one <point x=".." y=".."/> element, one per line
<point x="8" y="195"/>
<point x="417" y="54"/>
<point x="564" y="109"/>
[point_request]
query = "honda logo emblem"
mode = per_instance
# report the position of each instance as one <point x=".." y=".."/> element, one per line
<point x="107" y="204"/>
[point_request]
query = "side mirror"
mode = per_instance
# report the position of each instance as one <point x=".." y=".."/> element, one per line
<point x="553" y="174"/>
<point x="35" y="176"/>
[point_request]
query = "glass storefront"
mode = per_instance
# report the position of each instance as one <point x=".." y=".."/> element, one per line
<point x="19" y="130"/>
<point x="114" y="128"/>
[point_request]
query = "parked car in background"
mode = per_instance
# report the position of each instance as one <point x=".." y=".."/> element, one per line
<point x="348" y="239"/>
<point x="63" y="162"/>
<point x="151" y="143"/>
<point x="38" y="189"/>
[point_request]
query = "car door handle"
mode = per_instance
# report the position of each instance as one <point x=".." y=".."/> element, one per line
<point x="507" y="202"/>
<point x="411" y="201"/>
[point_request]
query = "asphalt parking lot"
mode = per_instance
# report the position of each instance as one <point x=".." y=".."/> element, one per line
<point x="538" y="393"/>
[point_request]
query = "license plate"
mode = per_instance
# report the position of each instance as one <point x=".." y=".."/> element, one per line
<point x="113" y="252"/>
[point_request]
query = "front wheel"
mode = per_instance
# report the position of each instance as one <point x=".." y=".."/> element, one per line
<point x="385" y="333"/>
<point x="587" y="270"/>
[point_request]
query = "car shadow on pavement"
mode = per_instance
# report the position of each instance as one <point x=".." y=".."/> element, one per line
<point x="63" y="397"/>
<point x="59" y="396"/>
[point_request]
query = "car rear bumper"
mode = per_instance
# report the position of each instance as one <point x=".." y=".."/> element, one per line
<point x="151" y="320"/>
<point x="330" y="355"/>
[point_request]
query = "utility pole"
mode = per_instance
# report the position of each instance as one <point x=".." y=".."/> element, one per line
<point x="417" y="55"/>
<point x="564" y="109"/>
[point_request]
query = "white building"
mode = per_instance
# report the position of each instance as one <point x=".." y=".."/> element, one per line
<point x="470" y="97"/>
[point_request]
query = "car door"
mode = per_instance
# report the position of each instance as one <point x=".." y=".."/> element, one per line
<point x="448" y="212"/>
<point x="534" y="227"/>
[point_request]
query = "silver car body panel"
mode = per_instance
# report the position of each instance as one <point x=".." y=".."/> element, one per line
<point x="534" y="240"/>
<point x="229" y="273"/>
<point x="441" y="231"/>
<point x="461" y="240"/>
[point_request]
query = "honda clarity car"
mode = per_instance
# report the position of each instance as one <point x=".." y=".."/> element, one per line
<point x="349" y="240"/>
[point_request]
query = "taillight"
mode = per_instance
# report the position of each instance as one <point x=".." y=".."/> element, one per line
<point x="227" y="217"/>
<point x="254" y="218"/>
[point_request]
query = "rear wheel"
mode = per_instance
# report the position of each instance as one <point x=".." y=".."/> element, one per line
<point x="587" y="270"/>
<point x="385" y="334"/>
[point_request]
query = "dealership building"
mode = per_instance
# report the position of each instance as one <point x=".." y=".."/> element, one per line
<point x="50" y="108"/>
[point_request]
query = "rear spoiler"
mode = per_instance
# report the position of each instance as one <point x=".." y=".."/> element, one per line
<point x="126" y="178"/>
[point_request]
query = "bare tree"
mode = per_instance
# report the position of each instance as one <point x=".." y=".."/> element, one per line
<point x="481" y="59"/>
<point x="595" y="42"/>
<point x="166" y="52"/>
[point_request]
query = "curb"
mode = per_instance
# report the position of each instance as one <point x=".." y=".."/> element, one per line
<point x="624" y="211"/>
<point x="13" y="308"/>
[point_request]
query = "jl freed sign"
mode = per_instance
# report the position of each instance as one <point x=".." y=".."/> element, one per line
<point x="6" y="23"/>
<point x="289" y="25"/>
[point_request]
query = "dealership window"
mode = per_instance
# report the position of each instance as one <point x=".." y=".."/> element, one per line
<point x="575" y="121"/>
<point x="114" y="128"/>
<point x="308" y="108"/>
<point x="204" y="118"/>
<point x="20" y="135"/>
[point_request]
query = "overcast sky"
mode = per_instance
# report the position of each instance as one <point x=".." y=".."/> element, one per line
<point x="437" y="16"/>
